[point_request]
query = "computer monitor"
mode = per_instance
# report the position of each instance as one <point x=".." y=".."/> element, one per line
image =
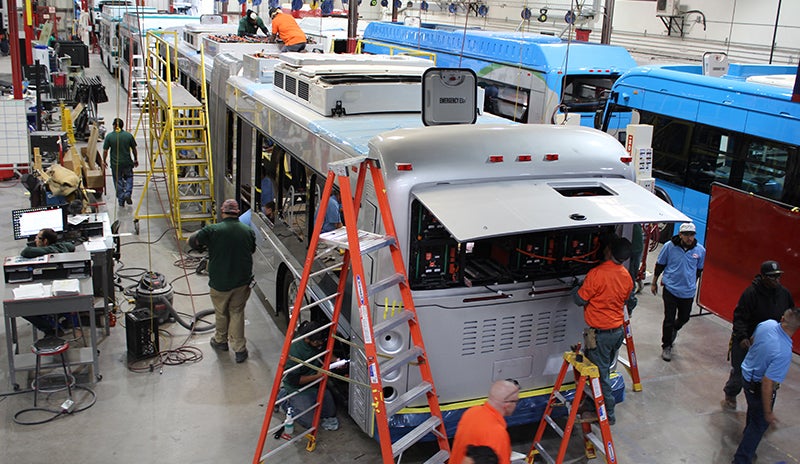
<point x="28" y="222"/>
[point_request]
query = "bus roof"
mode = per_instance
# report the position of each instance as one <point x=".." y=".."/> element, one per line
<point x="729" y="102"/>
<point x="147" y="21"/>
<point x="540" y="52"/>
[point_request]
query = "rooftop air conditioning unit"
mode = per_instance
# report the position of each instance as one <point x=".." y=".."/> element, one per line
<point x="667" y="7"/>
<point x="332" y="84"/>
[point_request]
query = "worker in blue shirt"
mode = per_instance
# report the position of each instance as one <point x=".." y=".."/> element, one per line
<point x="764" y="368"/>
<point x="333" y="215"/>
<point x="681" y="261"/>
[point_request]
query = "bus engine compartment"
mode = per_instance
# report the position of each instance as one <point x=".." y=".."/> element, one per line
<point x="437" y="261"/>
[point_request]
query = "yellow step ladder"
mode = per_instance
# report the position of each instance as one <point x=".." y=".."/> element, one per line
<point x="180" y="147"/>
<point x="586" y="375"/>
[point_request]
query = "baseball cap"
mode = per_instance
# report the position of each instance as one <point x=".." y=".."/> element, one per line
<point x="771" y="268"/>
<point x="688" y="227"/>
<point x="230" y="206"/>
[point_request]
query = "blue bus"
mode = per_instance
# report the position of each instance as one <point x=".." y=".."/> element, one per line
<point x="740" y="129"/>
<point x="527" y="78"/>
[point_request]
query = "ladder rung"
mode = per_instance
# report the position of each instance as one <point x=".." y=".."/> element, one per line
<point x="327" y="269"/>
<point x="195" y="216"/>
<point x="193" y="180"/>
<point x="391" y="281"/>
<point x="194" y="198"/>
<point x="298" y="437"/>
<point x="406" y="398"/>
<point x="555" y="426"/>
<point x="368" y="242"/>
<point x="299" y="365"/>
<point x="598" y="444"/>
<point x="544" y="453"/>
<point x="415" y="435"/>
<point x="317" y="330"/>
<point x="191" y="161"/>
<point x="400" y="360"/>
<point x="190" y="144"/>
<point x="188" y="126"/>
<point x="562" y="399"/>
<point x="439" y="458"/>
<point x="317" y="303"/>
<point x="389" y="324"/>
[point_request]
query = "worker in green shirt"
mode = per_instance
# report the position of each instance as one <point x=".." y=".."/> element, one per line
<point x="121" y="144"/>
<point x="251" y="23"/>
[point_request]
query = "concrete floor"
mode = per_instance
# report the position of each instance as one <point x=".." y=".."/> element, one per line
<point x="211" y="410"/>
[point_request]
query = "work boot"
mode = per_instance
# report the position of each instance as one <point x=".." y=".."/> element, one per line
<point x="219" y="346"/>
<point x="241" y="356"/>
<point x="128" y="200"/>
<point x="666" y="353"/>
<point x="729" y="403"/>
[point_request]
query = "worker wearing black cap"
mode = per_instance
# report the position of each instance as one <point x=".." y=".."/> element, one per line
<point x="603" y="295"/>
<point x="764" y="299"/>
<point x="251" y="23"/>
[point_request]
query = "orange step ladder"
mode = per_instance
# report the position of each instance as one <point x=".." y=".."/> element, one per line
<point x="357" y="243"/>
<point x="632" y="363"/>
<point x="583" y="370"/>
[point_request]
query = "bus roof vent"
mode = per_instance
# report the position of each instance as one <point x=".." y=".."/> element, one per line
<point x="335" y="85"/>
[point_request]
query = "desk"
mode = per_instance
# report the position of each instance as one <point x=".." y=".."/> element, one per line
<point x="43" y="306"/>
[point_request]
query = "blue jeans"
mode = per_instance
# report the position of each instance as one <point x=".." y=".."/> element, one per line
<point x="123" y="183"/>
<point x="608" y="343"/>
<point x="755" y="426"/>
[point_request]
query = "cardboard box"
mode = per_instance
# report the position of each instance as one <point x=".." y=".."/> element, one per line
<point x="94" y="178"/>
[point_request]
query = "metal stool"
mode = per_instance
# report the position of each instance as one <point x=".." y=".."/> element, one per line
<point x="51" y="346"/>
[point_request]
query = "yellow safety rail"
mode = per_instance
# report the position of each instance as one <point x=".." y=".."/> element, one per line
<point x="397" y="50"/>
<point x="179" y="137"/>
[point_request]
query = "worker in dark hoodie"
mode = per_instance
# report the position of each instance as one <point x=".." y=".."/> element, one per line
<point x="764" y="299"/>
<point x="45" y="243"/>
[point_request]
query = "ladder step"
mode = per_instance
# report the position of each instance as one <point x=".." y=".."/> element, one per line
<point x="196" y="217"/>
<point x="193" y="180"/>
<point x="555" y="426"/>
<point x="188" y="126"/>
<point x="389" y="324"/>
<point x="415" y="435"/>
<point x="368" y="242"/>
<point x="406" y="398"/>
<point x="439" y="458"/>
<point x="400" y="360"/>
<point x="544" y="453"/>
<point x="391" y="281"/>
<point x="598" y="444"/>
<point x="194" y="198"/>
<point x="190" y="144"/>
<point x="191" y="161"/>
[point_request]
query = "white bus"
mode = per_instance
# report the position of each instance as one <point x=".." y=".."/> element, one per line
<point x="496" y="220"/>
<point x="133" y="34"/>
<point x="108" y="37"/>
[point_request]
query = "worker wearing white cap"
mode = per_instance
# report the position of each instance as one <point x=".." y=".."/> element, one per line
<point x="681" y="261"/>
<point x="251" y="23"/>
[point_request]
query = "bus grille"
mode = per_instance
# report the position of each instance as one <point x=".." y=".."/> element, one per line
<point x="513" y="332"/>
<point x="302" y="90"/>
<point x="291" y="85"/>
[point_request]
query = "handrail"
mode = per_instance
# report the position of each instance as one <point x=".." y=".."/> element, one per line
<point x="408" y="51"/>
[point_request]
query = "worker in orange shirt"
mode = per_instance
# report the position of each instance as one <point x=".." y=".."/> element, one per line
<point x="286" y="28"/>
